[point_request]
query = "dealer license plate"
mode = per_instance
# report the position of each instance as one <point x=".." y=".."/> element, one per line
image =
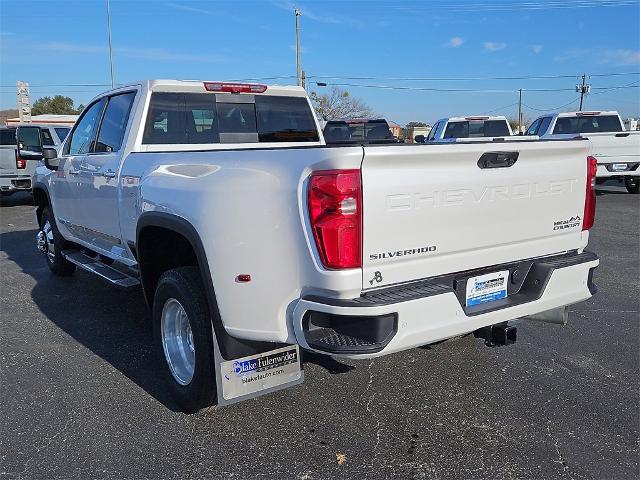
<point x="487" y="288"/>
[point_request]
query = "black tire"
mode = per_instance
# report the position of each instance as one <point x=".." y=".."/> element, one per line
<point x="56" y="262"/>
<point x="184" y="284"/>
<point x="632" y="184"/>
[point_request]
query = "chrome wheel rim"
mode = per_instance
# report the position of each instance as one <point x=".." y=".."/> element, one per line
<point x="45" y="242"/>
<point x="177" y="341"/>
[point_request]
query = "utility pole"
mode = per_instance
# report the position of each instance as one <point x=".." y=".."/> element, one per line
<point x="583" y="89"/>
<point x="298" y="65"/>
<point x="110" y="47"/>
<point x="520" y="111"/>
<point x="304" y="80"/>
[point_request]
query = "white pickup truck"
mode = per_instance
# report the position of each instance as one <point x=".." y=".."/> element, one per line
<point x="451" y="129"/>
<point x="16" y="172"/>
<point x="617" y="151"/>
<point x="252" y="238"/>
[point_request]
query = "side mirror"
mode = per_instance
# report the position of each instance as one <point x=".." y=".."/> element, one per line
<point x="419" y="138"/>
<point x="29" y="143"/>
<point x="50" y="157"/>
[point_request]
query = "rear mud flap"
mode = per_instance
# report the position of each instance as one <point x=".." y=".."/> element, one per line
<point x="255" y="375"/>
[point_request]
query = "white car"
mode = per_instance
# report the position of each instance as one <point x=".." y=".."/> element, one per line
<point x="16" y="172"/>
<point x="617" y="150"/>
<point x="472" y="128"/>
<point x="251" y="237"/>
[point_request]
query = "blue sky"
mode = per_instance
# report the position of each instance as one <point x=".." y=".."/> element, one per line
<point x="55" y="42"/>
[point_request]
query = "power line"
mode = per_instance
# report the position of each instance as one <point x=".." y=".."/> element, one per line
<point x="482" y="6"/>
<point x="462" y="79"/>
<point x="501" y="108"/>
<point x="551" y="109"/>
<point x="606" y="89"/>
<point x="429" y="89"/>
<point x="62" y="85"/>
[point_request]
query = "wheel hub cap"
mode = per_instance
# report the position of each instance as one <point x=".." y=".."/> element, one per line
<point x="177" y="341"/>
<point x="44" y="241"/>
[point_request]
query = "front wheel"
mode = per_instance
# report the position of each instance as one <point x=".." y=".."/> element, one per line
<point x="632" y="184"/>
<point x="51" y="243"/>
<point x="184" y="337"/>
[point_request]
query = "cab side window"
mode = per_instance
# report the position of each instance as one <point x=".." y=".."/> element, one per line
<point x="47" y="139"/>
<point x="432" y="133"/>
<point x="533" y="128"/>
<point x="114" y="122"/>
<point x="84" y="133"/>
<point x="544" y="125"/>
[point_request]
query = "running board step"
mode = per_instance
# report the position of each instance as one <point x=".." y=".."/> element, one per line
<point x="104" y="271"/>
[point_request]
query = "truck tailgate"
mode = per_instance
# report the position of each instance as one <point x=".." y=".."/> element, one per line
<point x="430" y="210"/>
<point x="615" y="147"/>
<point x="8" y="160"/>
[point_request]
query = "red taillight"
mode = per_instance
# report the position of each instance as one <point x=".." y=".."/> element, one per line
<point x="20" y="163"/>
<point x="335" y="211"/>
<point x="590" y="197"/>
<point x="234" y="87"/>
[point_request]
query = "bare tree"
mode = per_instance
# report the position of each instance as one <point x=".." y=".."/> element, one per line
<point x="340" y="104"/>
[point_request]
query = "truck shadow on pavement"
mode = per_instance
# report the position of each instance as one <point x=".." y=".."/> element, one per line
<point x="16" y="199"/>
<point x="113" y="324"/>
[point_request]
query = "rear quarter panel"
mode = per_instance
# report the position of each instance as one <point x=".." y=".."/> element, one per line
<point x="249" y="208"/>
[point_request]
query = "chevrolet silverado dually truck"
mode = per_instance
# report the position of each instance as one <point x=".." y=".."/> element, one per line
<point x="251" y="238"/>
<point x="617" y="151"/>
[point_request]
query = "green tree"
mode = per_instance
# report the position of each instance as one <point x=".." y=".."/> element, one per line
<point x="58" y="105"/>
<point x="339" y="104"/>
<point x="416" y="124"/>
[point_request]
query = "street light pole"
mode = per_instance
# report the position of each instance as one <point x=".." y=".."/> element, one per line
<point x="110" y="47"/>
<point x="298" y="65"/>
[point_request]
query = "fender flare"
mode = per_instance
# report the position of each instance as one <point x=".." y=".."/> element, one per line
<point x="38" y="209"/>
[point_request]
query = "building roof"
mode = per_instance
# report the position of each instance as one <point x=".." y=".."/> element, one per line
<point x="48" y="119"/>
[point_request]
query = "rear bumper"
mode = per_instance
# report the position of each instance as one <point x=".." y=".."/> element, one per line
<point x="607" y="170"/>
<point x="15" y="184"/>
<point x="431" y="310"/>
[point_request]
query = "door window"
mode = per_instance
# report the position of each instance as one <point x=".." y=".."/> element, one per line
<point x="47" y="139"/>
<point x="114" y="122"/>
<point x="84" y="133"/>
<point x="533" y="128"/>
<point x="544" y="125"/>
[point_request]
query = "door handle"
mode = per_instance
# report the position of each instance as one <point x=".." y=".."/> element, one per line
<point x="74" y="172"/>
<point x="498" y="159"/>
<point x="109" y="174"/>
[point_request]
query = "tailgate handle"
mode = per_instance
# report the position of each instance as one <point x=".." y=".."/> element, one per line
<point x="498" y="159"/>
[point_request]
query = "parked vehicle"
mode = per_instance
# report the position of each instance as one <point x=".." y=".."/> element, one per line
<point x="358" y="131"/>
<point x="478" y="127"/>
<point x="617" y="151"/>
<point x="16" y="172"/>
<point x="252" y="238"/>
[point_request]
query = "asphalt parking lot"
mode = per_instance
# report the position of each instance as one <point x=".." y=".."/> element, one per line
<point x="80" y="396"/>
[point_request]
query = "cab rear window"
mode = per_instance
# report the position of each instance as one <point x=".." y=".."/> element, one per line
<point x="203" y="118"/>
<point x="588" y="124"/>
<point x="477" y="129"/>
